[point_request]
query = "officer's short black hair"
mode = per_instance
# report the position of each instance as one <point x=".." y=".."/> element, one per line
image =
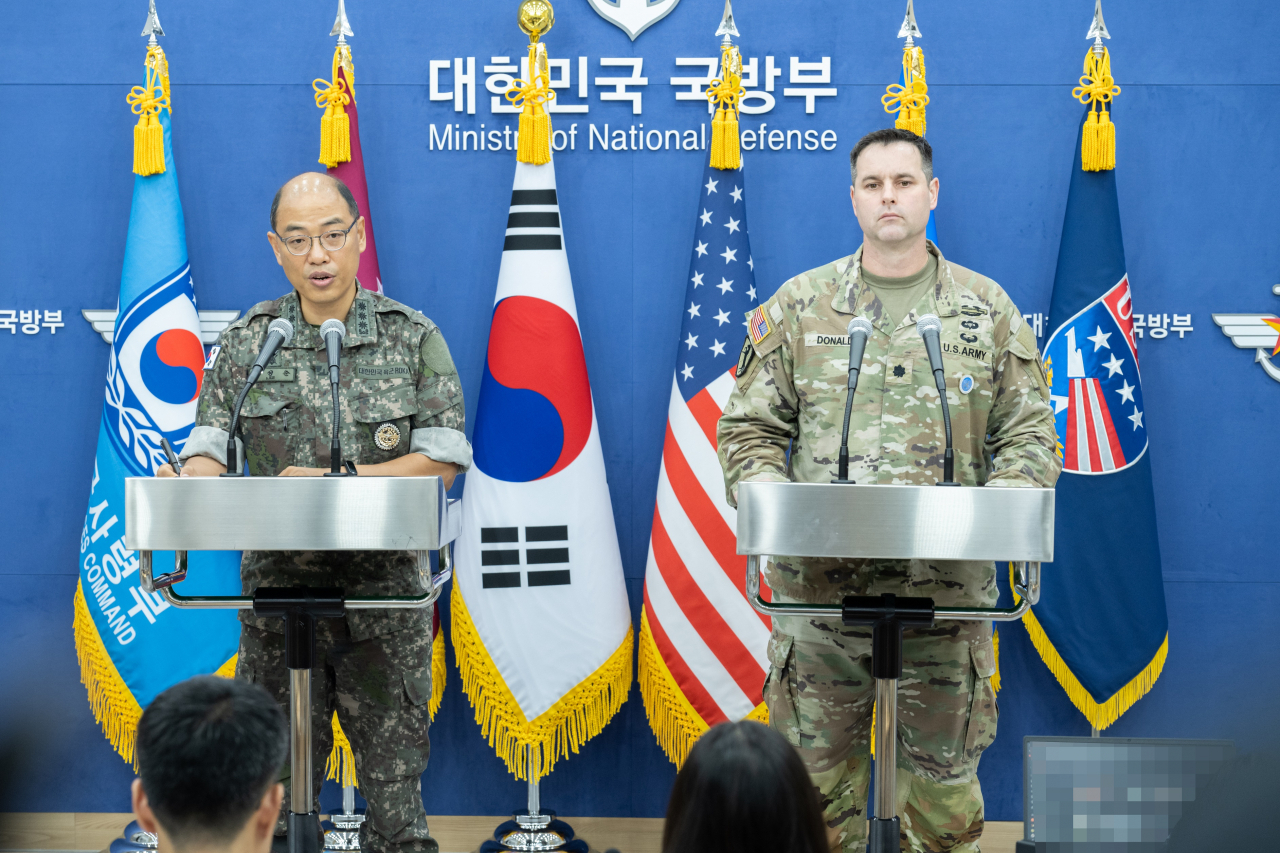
<point x="888" y="136"/>
<point x="208" y="749"/>
<point x="343" y="190"/>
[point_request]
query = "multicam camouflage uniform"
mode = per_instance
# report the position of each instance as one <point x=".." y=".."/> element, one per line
<point x="791" y="387"/>
<point x="400" y="394"/>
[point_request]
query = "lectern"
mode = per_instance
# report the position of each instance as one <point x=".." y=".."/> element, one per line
<point x="894" y="522"/>
<point x="184" y="514"/>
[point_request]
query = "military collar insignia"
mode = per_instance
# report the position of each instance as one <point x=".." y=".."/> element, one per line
<point x="361" y="328"/>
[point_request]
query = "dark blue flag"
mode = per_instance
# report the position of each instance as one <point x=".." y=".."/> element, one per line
<point x="1101" y="625"/>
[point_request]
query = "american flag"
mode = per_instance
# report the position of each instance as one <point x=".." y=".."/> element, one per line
<point x="702" y="658"/>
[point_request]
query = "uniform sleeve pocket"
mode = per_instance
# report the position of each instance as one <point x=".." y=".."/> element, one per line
<point x="984" y="658"/>
<point x="417" y="685"/>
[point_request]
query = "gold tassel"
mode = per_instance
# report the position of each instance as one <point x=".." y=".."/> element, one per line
<point x="146" y="101"/>
<point x="725" y="93"/>
<point x="335" y="124"/>
<point x="910" y="98"/>
<point x="113" y="705"/>
<point x="1097" y="89"/>
<point x="578" y="716"/>
<point x="533" y="139"/>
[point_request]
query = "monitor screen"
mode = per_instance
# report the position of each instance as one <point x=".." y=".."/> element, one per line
<point x="1112" y="795"/>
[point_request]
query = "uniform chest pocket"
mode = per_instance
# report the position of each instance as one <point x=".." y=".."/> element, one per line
<point x="383" y="422"/>
<point x="277" y="432"/>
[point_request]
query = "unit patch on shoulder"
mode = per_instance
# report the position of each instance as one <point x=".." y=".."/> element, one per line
<point x="744" y="359"/>
<point x="759" y="326"/>
<point x="213" y="356"/>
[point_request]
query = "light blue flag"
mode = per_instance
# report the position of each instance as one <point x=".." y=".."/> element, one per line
<point x="132" y="644"/>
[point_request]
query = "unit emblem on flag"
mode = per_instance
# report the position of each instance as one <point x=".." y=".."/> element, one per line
<point x="1092" y="367"/>
<point x="633" y="16"/>
<point x="154" y="373"/>
<point x="1260" y="332"/>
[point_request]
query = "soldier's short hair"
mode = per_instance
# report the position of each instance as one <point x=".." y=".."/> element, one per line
<point x="343" y="190"/>
<point x="888" y="136"/>
<point x="208" y="749"/>
<point x="743" y="788"/>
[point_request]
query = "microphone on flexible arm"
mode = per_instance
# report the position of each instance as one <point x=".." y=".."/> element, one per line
<point x="279" y="333"/>
<point x="929" y="327"/>
<point x="333" y="331"/>
<point x="859" y="330"/>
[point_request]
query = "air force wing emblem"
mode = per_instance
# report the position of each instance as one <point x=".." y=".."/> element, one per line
<point x="103" y="321"/>
<point x="633" y="16"/>
<point x="1092" y="366"/>
<point x="1260" y="332"/>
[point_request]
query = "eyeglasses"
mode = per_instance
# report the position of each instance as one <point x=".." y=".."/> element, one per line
<point x="330" y="241"/>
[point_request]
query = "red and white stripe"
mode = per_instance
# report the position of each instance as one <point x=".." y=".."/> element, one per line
<point x="711" y="640"/>
<point x="1092" y="445"/>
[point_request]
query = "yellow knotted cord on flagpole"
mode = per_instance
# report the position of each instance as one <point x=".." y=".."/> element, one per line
<point x="909" y="99"/>
<point x="724" y="93"/>
<point x="335" y="125"/>
<point x="533" y="140"/>
<point x="146" y="101"/>
<point x="1097" y="88"/>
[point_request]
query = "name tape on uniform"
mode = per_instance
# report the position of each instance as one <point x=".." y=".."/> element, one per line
<point x="383" y="371"/>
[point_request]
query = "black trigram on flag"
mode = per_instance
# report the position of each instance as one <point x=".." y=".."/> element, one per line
<point x="494" y="556"/>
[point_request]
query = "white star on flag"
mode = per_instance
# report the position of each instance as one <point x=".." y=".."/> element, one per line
<point x="1136" y="417"/>
<point x="722" y="317"/>
<point x="691" y="341"/>
<point x="697" y="279"/>
<point x="1114" y="366"/>
<point x="751" y="292"/>
<point x="729" y="254"/>
<point x="687" y="373"/>
<point x="705" y="217"/>
<point x="711" y="186"/>
<point x="732" y="225"/>
<point x="1099" y="339"/>
<point x="737" y="193"/>
<point x="725" y="285"/>
<point x="1126" y="392"/>
<point x="751" y="265"/>
<point x="693" y="310"/>
<point x="701" y="249"/>
<point x="717" y="348"/>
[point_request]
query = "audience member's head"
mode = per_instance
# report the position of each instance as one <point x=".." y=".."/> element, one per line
<point x="743" y="789"/>
<point x="210" y="752"/>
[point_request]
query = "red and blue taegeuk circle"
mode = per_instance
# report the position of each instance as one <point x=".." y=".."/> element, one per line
<point x="172" y="366"/>
<point x="534" y="413"/>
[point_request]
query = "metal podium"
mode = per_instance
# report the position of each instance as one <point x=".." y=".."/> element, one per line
<point x="894" y="522"/>
<point x="184" y="514"/>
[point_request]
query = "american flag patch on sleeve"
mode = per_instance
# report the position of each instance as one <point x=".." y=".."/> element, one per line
<point x="758" y="325"/>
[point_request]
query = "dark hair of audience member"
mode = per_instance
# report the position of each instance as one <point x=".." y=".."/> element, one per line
<point x="208" y="749"/>
<point x="743" y="789"/>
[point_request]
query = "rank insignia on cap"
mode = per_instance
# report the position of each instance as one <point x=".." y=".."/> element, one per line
<point x="758" y="325"/>
<point x="387" y="436"/>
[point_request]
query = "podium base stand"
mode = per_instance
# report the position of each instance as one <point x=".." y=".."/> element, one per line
<point x="884" y="836"/>
<point x="304" y="832"/>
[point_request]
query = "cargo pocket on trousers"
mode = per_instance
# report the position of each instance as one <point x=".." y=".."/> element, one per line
<point x="983" y="712"/>
<point x="779" y="697"/>
<point x="417" y="686"/>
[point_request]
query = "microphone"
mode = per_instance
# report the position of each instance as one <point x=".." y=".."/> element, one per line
<point x="929" y="326"/>
<point x="279" y="333"/>
<point x="859" y="330"/>
<point x="333" y="331"/>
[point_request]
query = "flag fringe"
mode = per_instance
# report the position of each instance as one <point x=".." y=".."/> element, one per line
<point x="114" y="707"/>
<point x="578" y="716"/>
<point x="439" y="672"/>
<point x="1099" y="714"/>
<point x="674" y="721"/>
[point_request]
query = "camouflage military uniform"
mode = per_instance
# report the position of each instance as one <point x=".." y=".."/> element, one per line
<point x="783" y="423"/>
<point x="400" y="394"/>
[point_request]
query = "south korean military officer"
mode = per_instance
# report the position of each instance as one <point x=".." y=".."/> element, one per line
<point x="790" y="395"/>
<point x="401" y="416"/>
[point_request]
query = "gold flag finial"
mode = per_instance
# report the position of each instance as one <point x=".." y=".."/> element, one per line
<point x="533" y="146"/>
<point x="909" y="98"/>
<point x="1097" y="89"/>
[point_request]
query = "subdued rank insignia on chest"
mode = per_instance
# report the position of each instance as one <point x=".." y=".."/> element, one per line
<point x="758" y="326"/>
<point x="387" y="436"/>
<point x="744" y="359"/>
<point x="277" y="374"/>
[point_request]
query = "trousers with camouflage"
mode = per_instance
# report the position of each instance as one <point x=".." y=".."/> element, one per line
<point x="380" y="688"/>
<point x="820" y="693"/>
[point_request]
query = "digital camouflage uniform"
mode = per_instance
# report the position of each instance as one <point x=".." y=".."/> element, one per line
<point x="399" y="384"/>
<point x="790" y="393"/>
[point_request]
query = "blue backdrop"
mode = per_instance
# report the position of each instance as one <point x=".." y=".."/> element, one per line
<point x="1197" y="123"/>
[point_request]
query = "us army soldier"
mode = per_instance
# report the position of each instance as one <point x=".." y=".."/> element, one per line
<point x="790" y="395"/>
<point x="402" y="415"/>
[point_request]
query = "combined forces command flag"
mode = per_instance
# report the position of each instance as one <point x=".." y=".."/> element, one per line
<point x="132" y="644"/>
<point x="541" y="627"/>
<point x="702" y="647"/>
<point x="1101" y="624"/>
